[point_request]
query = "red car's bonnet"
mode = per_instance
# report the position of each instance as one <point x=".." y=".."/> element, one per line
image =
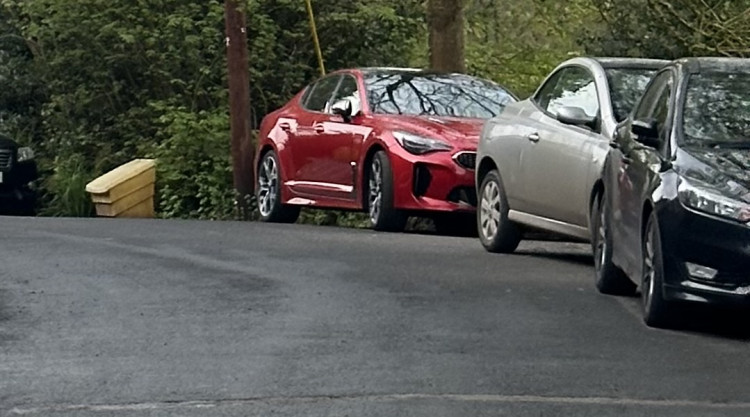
<point x="461" y="132"/>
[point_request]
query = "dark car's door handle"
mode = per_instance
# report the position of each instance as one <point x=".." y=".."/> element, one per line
<point x="319" y="128"/>
<point x="534" y="137"/>
<point x="285" y="126"/>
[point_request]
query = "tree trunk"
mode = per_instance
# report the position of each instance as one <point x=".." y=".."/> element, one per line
<point x="239" y="105"/>
<point x="445" y="19"/>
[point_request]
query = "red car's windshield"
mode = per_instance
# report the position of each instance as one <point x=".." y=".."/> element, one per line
<point x="425" y="94"/>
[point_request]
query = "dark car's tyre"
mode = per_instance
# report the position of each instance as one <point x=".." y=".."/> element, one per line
<point x="609" y="278"/>
<point x="496" y="232"/>
<point x="268" y="192"/>
<point x="657" y="311"/>
<point x="379" y="196"/>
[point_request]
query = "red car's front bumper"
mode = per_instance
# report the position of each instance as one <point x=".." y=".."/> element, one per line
<point x="433" y="182"/>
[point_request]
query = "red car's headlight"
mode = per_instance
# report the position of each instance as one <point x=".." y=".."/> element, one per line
<point x="420" y="145"/>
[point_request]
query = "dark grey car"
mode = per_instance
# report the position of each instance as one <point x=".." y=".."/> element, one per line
<point x="540" y="161"/>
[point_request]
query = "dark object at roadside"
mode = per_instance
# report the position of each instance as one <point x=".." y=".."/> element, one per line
<point x="17" y="171"/>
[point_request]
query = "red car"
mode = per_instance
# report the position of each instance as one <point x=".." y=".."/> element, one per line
<point x="391" y="142"/>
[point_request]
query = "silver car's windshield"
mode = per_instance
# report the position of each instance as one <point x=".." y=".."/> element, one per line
<point x="450" y="95"/>
<point x="626" y="86"/>
<point x="717" y="110"/>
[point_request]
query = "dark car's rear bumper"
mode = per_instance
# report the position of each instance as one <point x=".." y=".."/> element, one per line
<point x="694" y="245"/>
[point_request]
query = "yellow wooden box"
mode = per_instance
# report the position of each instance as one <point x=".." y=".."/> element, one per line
<point x="126" y="191"/>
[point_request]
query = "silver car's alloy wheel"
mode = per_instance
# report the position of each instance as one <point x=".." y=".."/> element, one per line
<point x="489" y="215"/>
<point x="375" y="199"/>
<point x="268" y="178"/>
<point x="649" y="270"/>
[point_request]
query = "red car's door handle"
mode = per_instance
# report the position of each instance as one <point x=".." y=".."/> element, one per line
<point x="319" y="128"/>
<point x="285" y="126"/>
<point x="534" y="137"/>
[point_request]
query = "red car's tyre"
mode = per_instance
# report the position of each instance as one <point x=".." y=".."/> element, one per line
<point x="268" y="192"/>
<point x="379" y="194"/>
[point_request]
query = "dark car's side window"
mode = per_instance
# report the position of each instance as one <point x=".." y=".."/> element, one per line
<point x="655" y="103"/>
<point x="571" y="86"/>
<point x="320" y="96"/>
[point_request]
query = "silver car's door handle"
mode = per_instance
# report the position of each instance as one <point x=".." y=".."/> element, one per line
<point x="534" y="137"/>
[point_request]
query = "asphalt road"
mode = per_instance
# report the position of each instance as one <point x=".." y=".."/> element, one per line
<point x="177" y="318"/>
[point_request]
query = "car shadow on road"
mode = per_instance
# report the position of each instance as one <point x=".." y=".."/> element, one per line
<point x="723" y="323"/>
<point x="577" y="258"/>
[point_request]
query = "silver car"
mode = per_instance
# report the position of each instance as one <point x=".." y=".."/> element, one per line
<point x="540" y="161"/>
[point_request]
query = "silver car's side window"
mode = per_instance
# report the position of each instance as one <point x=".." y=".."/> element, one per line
<point x="571" y="87"/>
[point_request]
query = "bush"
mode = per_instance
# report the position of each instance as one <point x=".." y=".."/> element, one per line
<point x="194" y="170"/>
<point x="67" y="188"/>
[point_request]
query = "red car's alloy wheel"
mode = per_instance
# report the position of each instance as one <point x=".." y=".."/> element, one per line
<point x="375" y="199"/>
<point x="268" y="193"/>
<point x="268" y="185"/>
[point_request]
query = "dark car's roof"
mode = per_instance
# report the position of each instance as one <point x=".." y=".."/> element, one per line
<point x="714" y="64"/>
<point x="611" y="62"/>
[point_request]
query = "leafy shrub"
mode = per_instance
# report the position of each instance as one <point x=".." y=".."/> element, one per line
<point x="194" y="171"/>
<point x="67" y="188"/>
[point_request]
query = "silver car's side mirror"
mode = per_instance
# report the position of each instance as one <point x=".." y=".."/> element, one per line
<point x="574" y="116"/>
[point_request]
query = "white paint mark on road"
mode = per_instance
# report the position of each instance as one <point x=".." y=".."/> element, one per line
<point x="465" y="398"/>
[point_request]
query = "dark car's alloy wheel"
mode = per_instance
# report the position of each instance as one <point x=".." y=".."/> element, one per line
<point x="609" y="278"/>
<point x="496" y="232"/>
<point x="657" y="311"/>
<point x="269" y="193"/>
<point x="383" y="215"/>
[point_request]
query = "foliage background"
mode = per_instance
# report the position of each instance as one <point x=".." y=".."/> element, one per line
<point x="91" y="84"/>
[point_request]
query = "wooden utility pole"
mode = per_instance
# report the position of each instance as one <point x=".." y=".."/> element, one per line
<point x="239" y="104"/>
<point x="316" y="42"/>
<point x="445" y="19"/>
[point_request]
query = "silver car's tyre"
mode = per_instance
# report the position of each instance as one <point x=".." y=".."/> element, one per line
<point x="657" y="311"/>
<point x="609" y="278"/>
<point x="379" y="194"/>
<point x="268" y="192"/>
<point x="496" y="232"/>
